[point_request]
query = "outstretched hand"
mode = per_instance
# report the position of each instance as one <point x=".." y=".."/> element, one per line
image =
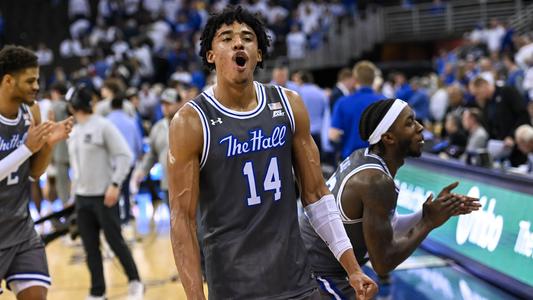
<point x="60" y="131"/>
<point x="448" y="204"/>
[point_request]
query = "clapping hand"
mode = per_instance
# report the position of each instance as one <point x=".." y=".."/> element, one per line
<point x="437" y="212"/>
<point x="60" y="131"/>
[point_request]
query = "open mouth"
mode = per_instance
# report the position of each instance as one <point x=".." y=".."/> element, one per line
<point x="241" y="59"/>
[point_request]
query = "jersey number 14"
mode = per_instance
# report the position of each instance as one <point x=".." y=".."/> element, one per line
<point x="271" y="181"/>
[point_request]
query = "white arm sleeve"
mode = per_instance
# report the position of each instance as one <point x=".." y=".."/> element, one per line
<point x="401" y="224"/>
<point x="325" y="218"/>
<point x="13" y="161"/>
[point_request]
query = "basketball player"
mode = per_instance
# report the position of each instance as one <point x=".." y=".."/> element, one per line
<point x="232" y="151"/>
<point x="25" y="151"/>
<point x="366" y="196"/>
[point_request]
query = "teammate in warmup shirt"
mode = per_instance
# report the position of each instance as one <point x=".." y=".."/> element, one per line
<point x="366" y="196"/>
<point x="232" y="151"/>
<point x="25" y="152"/>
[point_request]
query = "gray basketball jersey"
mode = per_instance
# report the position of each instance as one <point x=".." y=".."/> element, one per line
<point x="322" y="260"/>
<point x="16" y="225"/>
<point x="252" y="243"/>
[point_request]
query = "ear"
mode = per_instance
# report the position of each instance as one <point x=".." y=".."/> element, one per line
<point x="388" y="138"/>
<point x="210" y="55"/>
<point x="7" y="79"/>
<point x="259" y="55"/>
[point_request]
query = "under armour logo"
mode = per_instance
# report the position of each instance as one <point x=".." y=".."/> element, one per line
<point x="214" y="122"/>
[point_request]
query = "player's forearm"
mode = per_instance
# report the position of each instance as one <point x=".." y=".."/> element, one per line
<point x="39" y="161"/>
<point x="187" y="256"/>
<point x="349" y="262"/>
<point x="13" y="161"/>
<point x="401" y="248"/>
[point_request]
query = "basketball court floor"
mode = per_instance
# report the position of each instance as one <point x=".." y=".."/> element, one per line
<point x="423" y="276"/>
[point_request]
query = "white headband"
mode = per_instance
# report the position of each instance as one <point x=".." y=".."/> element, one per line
<point x="387" y="121"/>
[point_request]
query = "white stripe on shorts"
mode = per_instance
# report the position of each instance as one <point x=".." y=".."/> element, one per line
<point x="329" y="289"/>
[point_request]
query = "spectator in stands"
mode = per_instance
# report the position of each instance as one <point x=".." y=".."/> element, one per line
<point x="494" y="37"/>
<point x="527" y="84"/>
<point x="79" y="9"/>
<point x="524" y="44"/>
<point x="503" y="109"/>
<point x="507" y="40"/>
<point x="515" y="75"/>
<point x="456" y="138"/>
<point x="296" y="43"/>
<point x="438" y="104"/>
<point x="448" y="73"/>
<point x="402" y="87"/>
<point x="477" y="135"/>
<point x="344" y="86"/>
<point x="419" y="100"/>
<point x="280" y="76"/>
<point x="315" y="101"/>
<point x="112" y="88"/>
<point x="347" y="111"/>
<point x="486" y="70"/>
<point x="502" y="106"/>
<point x="524" y="141"/>
<point x="45" y="56"/>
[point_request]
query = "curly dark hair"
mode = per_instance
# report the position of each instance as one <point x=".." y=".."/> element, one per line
<point x="14" y="59"/>
<point x="228" y="16"/>
<point x="371" y="117"/>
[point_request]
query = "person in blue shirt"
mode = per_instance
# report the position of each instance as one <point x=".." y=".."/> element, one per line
<point x="128" y="128"/>
<point x="315" y="101"/>
<point x="347" y="111"/>
<point x="403" y="89"/>
<point x="280" y="76"/>
<point x="419" y="100"/>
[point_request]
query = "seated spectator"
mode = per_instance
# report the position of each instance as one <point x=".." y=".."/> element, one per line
<point x="503" y="109"/>
<point x="453" y="145"/>
<point x="524" y="141"/>
<point x="477" y="135"/>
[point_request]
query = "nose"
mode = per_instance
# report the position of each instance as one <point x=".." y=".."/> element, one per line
<point x="35" y="86"/>
<point x="237" y="43"/>
<point x="419" y="127"/>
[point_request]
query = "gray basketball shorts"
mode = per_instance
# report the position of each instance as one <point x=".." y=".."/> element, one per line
<point x="337" y="288"/>
<point x="24" y="265"/>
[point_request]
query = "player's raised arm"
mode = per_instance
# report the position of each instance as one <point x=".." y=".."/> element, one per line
<point x="185" y="144"/>
<point x="388" y="244"/>
<point x="319" y="203"/>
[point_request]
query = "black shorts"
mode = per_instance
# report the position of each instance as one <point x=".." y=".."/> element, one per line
<point x="337" y="288"/>
<point x="24" y="265"/>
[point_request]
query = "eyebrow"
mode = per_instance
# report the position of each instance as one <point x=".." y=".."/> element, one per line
<point x="229" y="31"/>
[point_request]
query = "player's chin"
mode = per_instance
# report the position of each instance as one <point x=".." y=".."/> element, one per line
<point x="415" y="152"/>
<point x="29" y="102"/>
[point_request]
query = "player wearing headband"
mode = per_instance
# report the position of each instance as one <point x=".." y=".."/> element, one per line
<point x="366" y="196"/>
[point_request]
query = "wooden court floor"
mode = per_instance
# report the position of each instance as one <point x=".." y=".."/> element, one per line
<point x="152" y="253"/>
